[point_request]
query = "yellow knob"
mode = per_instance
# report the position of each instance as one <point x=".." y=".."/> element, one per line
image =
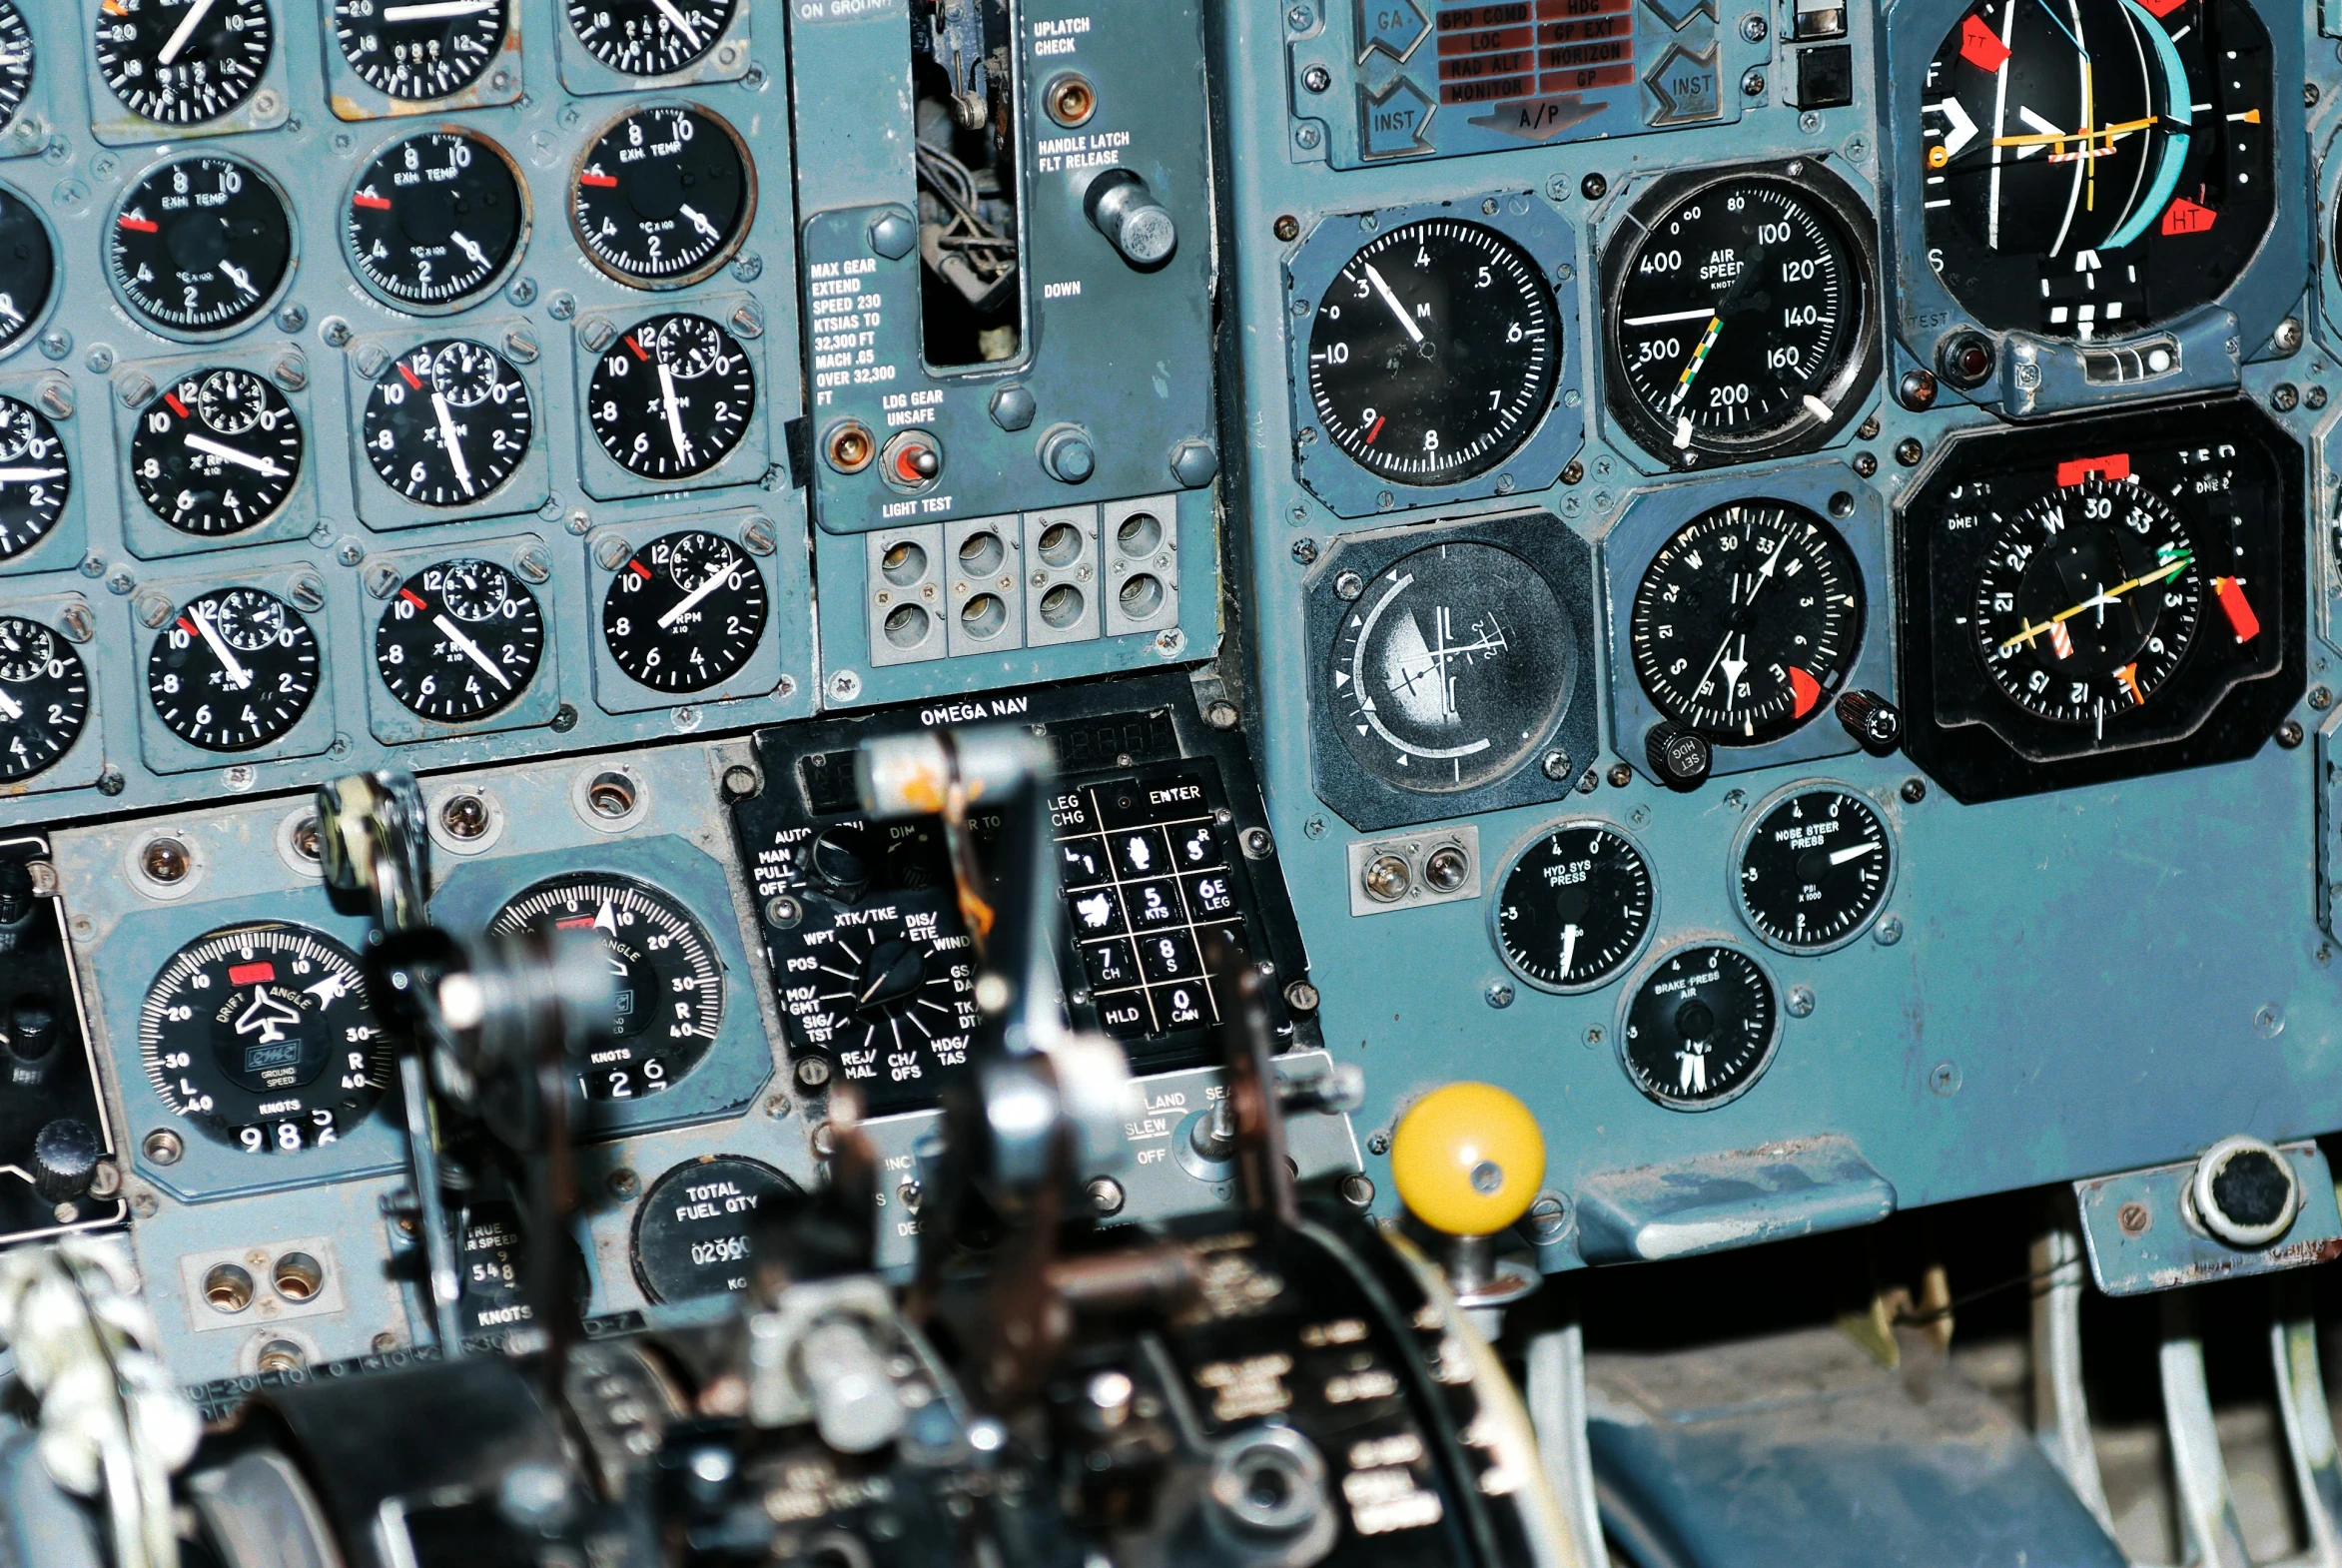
<point x="1467" y="1160"/>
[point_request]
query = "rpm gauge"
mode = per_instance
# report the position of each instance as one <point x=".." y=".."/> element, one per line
<point x="182" y="62"/>
<point x="672" y="398"/>
<point x="1746" y="619"/>
<point x="435" y="221"/>
<point x="263" y="1037"/>
<point x="668" y="983"/>
<point x="1814" y="868"/>
<point x="1701" y="1028"/>
<point x="1740" y="315"/>
<point x="1450" y="667"/>
<point x="35" y="478"/>
<point x="419" y="49"/>
<point x="216" y="453"/>
<point x="44" y="697"/>
<point x="459" y="640"/>
<point x="235" y="668"/>
<point x="1434" y="352"/>
<point x="16" y="63"/>
<point x="1574" y="908"/>
<point x="663" y="197"/>
<point x="201" y="246"/>
<point x="649" y="37"/>
<point x="28" y="269"/>
<point x="2094" y="167"/>
<point x="448" y="421"/>
<point x="686" y="614"/>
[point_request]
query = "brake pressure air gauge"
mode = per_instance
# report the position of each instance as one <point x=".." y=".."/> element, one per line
<point x="1701" y="1028"/>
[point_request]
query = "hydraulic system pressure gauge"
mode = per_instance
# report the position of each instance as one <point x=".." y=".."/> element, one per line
<point x="669" y="982"/>
<point x="216" y="453"/>
<point x="1814" y="868"/>
<point x="448" y="421"/>
<point x="44" y="697"/>
<point x="684" y="615"/>
<point x="459" y="640"/>
<point x="16" y="63"/>
<point x="1747" y="620"/>
<point x="414" y="51"/>
<point x="1451" y="666"/>
<point x="1741" y="313"/>
<point x="235" y="668"/>
<point x="663" y="197"/>
<point x="28" y="269"/>
<point x="201" y="246"/>
<point x="1701" y="1028"/>
<point x="35" y="480"/>
<point x="1574" y="907"/>
<point x="435" y="221"/>
<point x="2094" y="167"/>
<point x="1435" y="352"/>
<point x="649" y="37"/>
<point x="182" y="62"/>
<point x="672" y="398"/>
<point x="264" y="1037"/>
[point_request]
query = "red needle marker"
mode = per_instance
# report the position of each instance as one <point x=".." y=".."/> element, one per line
<point x="177" y="406"/>
<point x="1376" y="430"/>
<point x="592" y="178"/>
<point x="637" y="347"/>
<point x="412" y="379"/>
<point x="379" y="204"/>
<point x="413" y="599"/>
<point x="188" y="626"/>
<point x="639" y="569"/>
<point x="141" y="225"/>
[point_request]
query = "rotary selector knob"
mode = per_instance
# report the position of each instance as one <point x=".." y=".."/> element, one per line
<point x="2244" y="1193"/>
<point x="65" y="1159"/>
<point x="32" y="1042"/>
<point x="1875" y="723"/>
<point x="837" y="860"/>
<point x="1680" y="756"/>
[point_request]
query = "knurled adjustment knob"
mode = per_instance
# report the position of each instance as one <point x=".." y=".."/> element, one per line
<point x="16" y="893"/>
<point x="1467" y="1160"/>
<point x="1126" y="213"/>
<point x="1680" y="756"/>
<point x="32" y="1042"/>
<point x="837" y="860"/>
<point x="65" y="1159"/>
<point x="2244" y="1193"/>
<point x="1875" y="723"/>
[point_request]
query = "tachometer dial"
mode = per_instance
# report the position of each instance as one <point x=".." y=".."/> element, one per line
<point x="1741" y="316"/>
<point x="182" y="62"/>
<point x="685" y="613"/>
<point x="234" y="669"/>
<point x="1574" y="907"/>
<point x="44" y="697"/>
<point x="2087" y="600"/>
<point x="216" y="453"/>
<point x="2094" y="167"/>
<point x="1814" y="868"/>
<point x="411" y="50"/>
<point x="459" y="640"/>
<point x="28" y="269"/>
<point x="262" y="1036"/>
<point x="16" y="63"/>
<point x="649" y="37"/>
<point x="1747" y="620"/>
<point x="448" y="421"/>
<point x="1701" y="1028"/>
<point x="35" y="478"/>
<point x="1434" y="352"/>
<point x="663" y="197"/>
<point x="672" y="398"/>
<point x="669" y="982"/>
<point x="437" y="220"/>
<point x="201" y="246"/>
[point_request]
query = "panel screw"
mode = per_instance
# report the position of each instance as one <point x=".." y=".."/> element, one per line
<point x="2320" y="698"/>
<point x="2315" y="397"/>
<point x="597" y="335"/>
<point x="1301" y="996"/>
<point x="76" y="623"/>
<point x="1944" y="1080"/>
<point x="1751" y="28"/>
<point x="1888" y="932"/>
<point x="825" y="1141"/>
<point x="1596" y="1034"/>
<point x="1498" y="994"/>
<point x="1257" y="844"/>
<point x="1573" y="472"/>
<point x="565" y="719"/>
<point x="163" y="1146"/>
<point x="2289" y="734"/>
<point x="2132" y="1217"/>
<point x="2284" y="397"/>
<point x="1621" y="775"/>
<point x="783" y="911"/>
<point x="2309" y="95"/>
<point x="624" y="1182"/>
<point x="739" y="781"/>
<point x="1908" y="451"/>
<point x="1752" y="84"/>
<point x="1317" y="79"/>
<point x="1358" y="1190"/>
<point x="812" y="1071"/>
<point x="1593" y="188"/>
<point x="1558" y="767"/>
<point x="1378" y="1143"/>
<point x="845" y="685"/>
<point x="1800" y="1002"/>
<point x="1306" y="551"/>
<point x="1348" y="586"/>
<point x="533" y="563"/>
<point x="776" y="1105"/>
<point x="334" y="331"/>
<point x="1221" y="715"/>
<point x="308" y="592"/>
<point x="757" y="537"/>
<point x="1865" y="464"/>
<point x="57" y="400"/>
<point x="1916" y="391"/>
<point x="2287" y="337"/>
<point x="1869" y="430"/>
<point x="111" y="782"/>
<point x="1105" y="1196"/>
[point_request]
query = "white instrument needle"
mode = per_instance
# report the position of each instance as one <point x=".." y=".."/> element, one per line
<point x="470" y="649"/>
<point x="699" y="221"/>
<point x="12" y="476"/>
<point x="470" y="248"/>
<point x="716" y="578"/>
<point x="238" y="276"/>
<point x="186" y="29"/>
<point x="1569" y="949"/>
<point x="1853" y="852"/>
<point x="1415" y="333"/>
<point x="437" y="10"/>
<point x="238" y="676"/>
<point x="674" y="413"/>
<point x="9" y="709"/>
<point x="244" y="459"/>
<point x="683" y="24"/>
<point x="453" y="445"/>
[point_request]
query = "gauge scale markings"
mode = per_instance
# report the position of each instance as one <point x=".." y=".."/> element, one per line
<point x="448" y="422"/>
<point x="201" y="246"/>
<point x="182" y="62"/>
<point x="44" y="697"/>
<point x="218" y="453"/>
<point x="416" y="50"/>
<point x="437" y="220"/>
<point x="1574" y="908"/>
<point x="35" y="478"/>
<point x="649" y="37"/>
<point x="235" y="668"/>
<point x="459" y="640"/>
<point x="1813" y="868"/>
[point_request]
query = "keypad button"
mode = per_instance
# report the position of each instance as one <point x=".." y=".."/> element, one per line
<point x="1097" y="912"/>
<point x="1169" y="955"/>
<point x="1196" y="846"/>
<point x="1139" y="853"/>
<point x="1153" y="905"/>
<point x="1212" y="895"/>
<point x="1185" y="1004"/>
<point x="1109" y="965"/>
<point x="1126" y="1016"/>
<point x="1082" y="863"/>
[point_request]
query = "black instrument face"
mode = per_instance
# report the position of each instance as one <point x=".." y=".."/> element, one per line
<point x="437" y="220"/>
<point x="672" y="398"/>
<point x="35" y="480"/>
<point x="216" y="453"/>
<point x="649" y="37"/>
<point x="684" y="615"/>
<point x="1701" y="1028"/>
<point x="2087" y="601"/>
<point x="182" y="62"/>
<point x="459" y="640"/>
<point x="1574" y="907"/>
<point x="234" y="669"/>
<point x="262" y="1036"/>
<point x="44" y="697"/>
<point x="1450" y="668"/>
<point x="414" y="49"/>
<point x="448" y="421"/>
<point x="2094" y="167"/>
<point x="1434" y="352"/>
<point x="201" y="246"/>
<point x="663" y="197"/>
<point x="16" y="62"/>
<point x="1747" y="620"/>
<point x="692" y="1231"/>
<point x="1813" y="869"/>
<point x="669" y="984"/>
<point x="28" y="269"/>
<point x="1739" y="318"/>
